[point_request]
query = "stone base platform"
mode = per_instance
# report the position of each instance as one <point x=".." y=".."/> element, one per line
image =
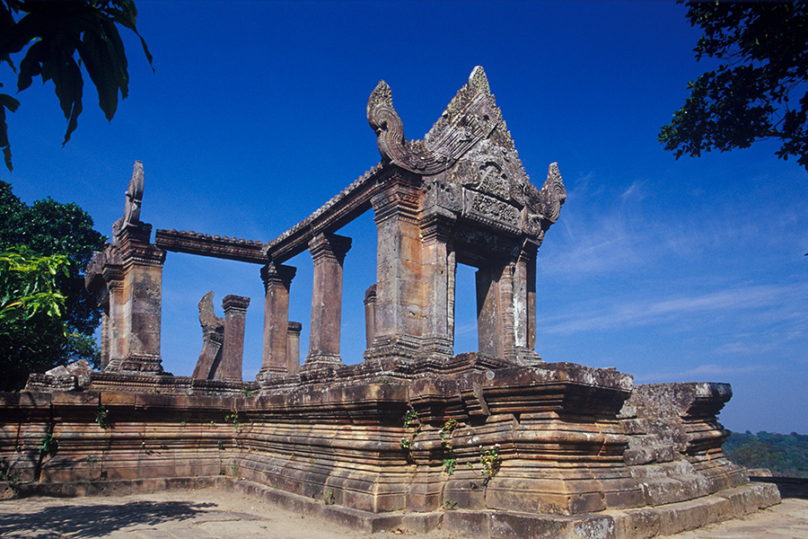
<point x="628" y="524"/>
<point x="489" y="449"/>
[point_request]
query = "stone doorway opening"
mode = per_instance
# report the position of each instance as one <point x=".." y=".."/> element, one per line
<point x="465" y="310"/>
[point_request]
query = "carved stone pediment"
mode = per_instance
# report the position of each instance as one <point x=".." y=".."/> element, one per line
<point x="470" y="117"/>
<point x="468" y="162"/>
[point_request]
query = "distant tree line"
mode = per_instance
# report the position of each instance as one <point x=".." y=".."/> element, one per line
<point x="786" y="455"/>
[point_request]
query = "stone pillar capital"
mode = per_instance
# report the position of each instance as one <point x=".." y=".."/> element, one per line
<point x="113" y="275"/>
<point x="235" y="303"/>
<point x="329" y="246"/>
<point x="370" y="295"/>
<point x="277" y="274"/>
<point x="437" y="225"/>
<point x="294" y="328"/>
<point x="134" y="248"/>
<point x="529" y="249"/>
<point x="399" y="196"/>
<point x="137" y="232"/>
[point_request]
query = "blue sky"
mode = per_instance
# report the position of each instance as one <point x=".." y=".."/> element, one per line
<point x="688" y="270"/>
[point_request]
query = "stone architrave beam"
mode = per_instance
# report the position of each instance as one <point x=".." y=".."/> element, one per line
<point x="214" y="246"/>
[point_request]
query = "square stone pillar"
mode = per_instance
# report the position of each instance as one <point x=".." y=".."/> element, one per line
<point x="327" y="252"/>
<point x="277" y="281"/>
<point x="506" y="306"/>
<point x="495" y="312"/>
<point x="400" y="299"/>
<point x="136" y="306"/>
<point x="524" y="298"/>
<point x="438" y="270"/>
<point x="293" y="346"/>
<point x="235" y="312"/>
<point x="452" y="292"/>
<point x="114" y="338"/>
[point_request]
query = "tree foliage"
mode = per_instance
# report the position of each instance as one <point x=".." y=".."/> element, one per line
<point x="59" y="37"/>
<point x="47" y="229"/>
<point x="31" y="308"/>
<point x="28" y="288"/>
<point x="759" y="89"/>
<point x="785" y="455"/>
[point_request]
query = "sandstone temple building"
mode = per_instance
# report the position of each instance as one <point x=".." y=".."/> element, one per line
<point x="495" y="443"/>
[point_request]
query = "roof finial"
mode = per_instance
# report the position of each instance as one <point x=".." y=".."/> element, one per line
<point x="478" y="81"/>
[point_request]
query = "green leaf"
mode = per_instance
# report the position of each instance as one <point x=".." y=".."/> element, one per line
<point x="31" y="65"/>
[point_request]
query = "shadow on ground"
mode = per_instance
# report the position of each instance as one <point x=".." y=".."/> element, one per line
<point x="96" y="520"/>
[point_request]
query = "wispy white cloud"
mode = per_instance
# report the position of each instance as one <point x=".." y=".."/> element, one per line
<point x="636" y="191"/>
<point x="652" y="311"/>
<point x="753" y="345"/>
<point x="466" y="329"/>
<point x="707" y="370"/>
<point x="604" y="231"/>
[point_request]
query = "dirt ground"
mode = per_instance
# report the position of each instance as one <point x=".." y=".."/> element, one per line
<point x="220" y="514"/>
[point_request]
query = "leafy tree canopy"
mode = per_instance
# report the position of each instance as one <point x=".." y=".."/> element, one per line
<point x="785" y="455"/>
<point x="759" y="90"/>
<point x="58" y="330"/>
<point x="59" y="37"/>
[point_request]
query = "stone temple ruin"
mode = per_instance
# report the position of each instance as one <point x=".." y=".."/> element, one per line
<point x="495" y="443"/>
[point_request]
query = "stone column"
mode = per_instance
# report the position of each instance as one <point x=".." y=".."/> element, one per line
<point x="370" y="315"/>
<point x="437" y="274"/>
<point x="235" y="312"/>
<point x="524" y="298"/>
<point x="327" y="252"/>
<point x="136" y="307"/>
<point x="400" y="300"/>
<point x="450" y="308"/>
<point x="115" y="321"/>
<point x="293" y="346"/>
<point x="495" y="313"/>
<point x="104" y="337"/>
<point x="210" y="358"/>
<point x="277" y="281"/>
